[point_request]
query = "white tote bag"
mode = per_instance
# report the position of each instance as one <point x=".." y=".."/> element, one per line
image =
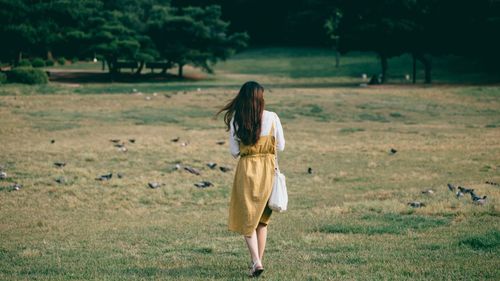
<point x="279" y="197"/>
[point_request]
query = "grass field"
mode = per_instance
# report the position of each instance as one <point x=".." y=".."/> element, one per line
<point x="349" y="220"/>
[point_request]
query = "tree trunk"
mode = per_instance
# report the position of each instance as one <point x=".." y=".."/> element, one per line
<point x="414" y="57"/>
<point x="49" y="55"/>
<point x="164" y="71"/>
<point x="427" y="62"/>
<point x="20" y="57"/>
<point x="139" y="69"/>
<point x="385" y="66"/>
<point x="103" y="64"/>
<point x="181" y="70"/>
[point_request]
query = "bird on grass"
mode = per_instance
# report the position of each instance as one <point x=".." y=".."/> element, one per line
<point x="60" y="180"/>
<point x="176" y="167"/>
<point x="480" y="200"/>
<point x="459" y="194"/>
<point x="428" y="192"/>
<point x="211" y="165"/>
<point x="220" y="142"/>
<point x="492" y="183"/>
<point x="451" y="187"/>
<point x="416" y="204"/>
<point x="104" y="177"/>
<point x="154" y="185"/>
<point x="393" y="151"/>
<point x="3" y="175"/>
<point x="203" y="184"/>
<point x="119" y="145"/>
<point x="114" y="140"/>
<point x="224" y="169"/>
<point x="131" y="140"/>
<point x="123" y="149"/>
<point x="52" y="141"/>
<point x="465" y="190"/>
<point x="184" y="143"/>
<point x="175" y="139"/>
<point x="192" y="170"/>
<point x="309" y="170"/>
<point x="119" y="175"/>
<point x="16" y="186"/>
<point x="59" y="164"/>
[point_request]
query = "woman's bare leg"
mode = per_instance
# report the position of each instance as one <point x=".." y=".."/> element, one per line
<point x="253" y="247"/>
<point x="261" y="239"/>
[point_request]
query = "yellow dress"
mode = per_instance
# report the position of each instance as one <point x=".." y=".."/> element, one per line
<point x="253" y="181"/>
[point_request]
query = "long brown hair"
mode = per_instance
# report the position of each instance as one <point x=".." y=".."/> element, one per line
<point x="247" y="108"/>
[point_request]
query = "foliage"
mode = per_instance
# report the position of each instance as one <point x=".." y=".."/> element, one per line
<point x="49" y="62"/>
<point x="38" y="62"/>
<point x="3" y="78"/>
<point x="28" y="75"/>
<point x="24" y="62"/>
<point x="61" y="61"/>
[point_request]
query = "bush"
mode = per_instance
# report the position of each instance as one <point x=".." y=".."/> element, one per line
<point x="61" y="61"/>
<point x="49" y="63"/>
<point x="3" y="78"/>
<point x="38" y="62"/>
<point x="24" y="62"/>
<point x="74" y="60"/>
<point x="27" y="75"/>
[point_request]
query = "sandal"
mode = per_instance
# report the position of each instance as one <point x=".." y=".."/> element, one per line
<point x="256" y="270"/>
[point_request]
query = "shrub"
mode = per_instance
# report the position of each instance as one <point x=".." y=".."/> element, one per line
<point x="74" y="60"/>
<point x="49" y="63"/>
<point x="3" y="78"/>
<point x="24" y="62"/>
<point x="38" y="62"/>
<point x="61" y="61"/>
<point x="28" y="75"/>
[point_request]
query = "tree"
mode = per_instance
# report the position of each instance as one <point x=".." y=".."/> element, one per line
<point x="193" y="35"/>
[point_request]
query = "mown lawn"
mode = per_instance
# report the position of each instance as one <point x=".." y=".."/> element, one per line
<point x="348" y="220"/>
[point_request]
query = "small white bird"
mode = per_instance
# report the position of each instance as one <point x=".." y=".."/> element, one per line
<point x="428" y="192"/>
<point x="416" y="204"/>
<point x="3" y="175"/>
<point x="154" y="185"/>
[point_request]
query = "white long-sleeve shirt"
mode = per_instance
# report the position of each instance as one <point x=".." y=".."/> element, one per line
<point x="268" y="117"/>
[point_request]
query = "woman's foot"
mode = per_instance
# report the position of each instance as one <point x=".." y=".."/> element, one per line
<point x="256" y="269"/>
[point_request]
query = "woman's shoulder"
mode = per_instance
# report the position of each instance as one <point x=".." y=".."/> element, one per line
<point x="270" y="114"/>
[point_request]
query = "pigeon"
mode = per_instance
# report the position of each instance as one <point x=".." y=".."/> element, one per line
<point x="131" y="140"/>
<point x="310" y="170"/>
<point x="225" y="169"/>
<point x="480" y="200"/>
<point x="451" y="187"/>
<point x="60" y="164"/>
<point x="192" y="170"/>
<point x="52" y="141"/>
<point x="167" y="96"/>
<point x="203" y="184"/>
<point x="3" y="175"/>
<point x="175" y="139"/>
<point x="220" y="142"/>
<point x="492" y="183"/>
<point x="123" y="149"/>
<point x="211" y="165"/>
<point x="393" y="151"/>
<point x="184" y="143"/>
<point x="465" y="190"/>
<point x="120" y="145"/>
<point x="459" y="194"/>
<point x="177" y="167"/>
<point x="16" y="186"/>
<point x="60" y="180"/>
<point x="154" y="185"/>
<point x="114" y="140"/>
<point x="119" y="175"/>
<point x="416" y="204"/>
<point x="474" y="197"/>
<point x="428" y="191"/>
<point x="105" y="177"/>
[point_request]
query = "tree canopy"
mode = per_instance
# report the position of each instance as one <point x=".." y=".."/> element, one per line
<point x="128" y="30"/>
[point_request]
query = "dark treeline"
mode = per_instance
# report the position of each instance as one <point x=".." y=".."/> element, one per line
<point x="120" y="32"/>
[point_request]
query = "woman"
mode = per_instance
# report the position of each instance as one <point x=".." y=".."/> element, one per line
<point x="254" y="135"/>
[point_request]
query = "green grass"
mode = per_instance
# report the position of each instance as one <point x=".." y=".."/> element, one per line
<point x="348" y="220"/>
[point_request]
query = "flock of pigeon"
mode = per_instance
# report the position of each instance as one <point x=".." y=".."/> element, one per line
<point x="459" y="192"/>
<point x="121" y="146"/>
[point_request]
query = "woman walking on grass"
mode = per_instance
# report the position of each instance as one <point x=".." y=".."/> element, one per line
<point x="254" y="135"/>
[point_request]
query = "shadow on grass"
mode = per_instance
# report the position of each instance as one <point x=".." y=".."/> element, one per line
<point x="489" y="241"/>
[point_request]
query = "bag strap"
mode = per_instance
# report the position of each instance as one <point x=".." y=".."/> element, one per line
<point x="275" y="147"/>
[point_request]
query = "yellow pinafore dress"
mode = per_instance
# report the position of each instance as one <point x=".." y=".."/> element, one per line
<point x="253" y="181"/>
